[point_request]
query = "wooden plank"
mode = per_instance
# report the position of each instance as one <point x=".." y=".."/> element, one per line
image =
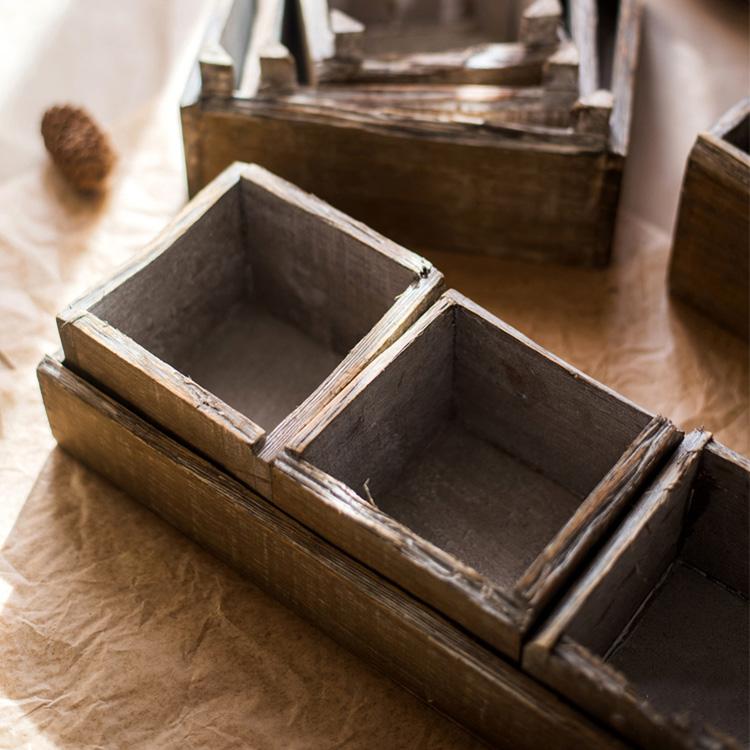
<point x="377" y="621"/>
<point x="584" y="16"/>
<point x="710" y="264"/>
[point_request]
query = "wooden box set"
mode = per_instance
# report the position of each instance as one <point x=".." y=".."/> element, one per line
<point x="710" y="266"/>
<point x="482" y="522"/>
<point x="421" y="123"/>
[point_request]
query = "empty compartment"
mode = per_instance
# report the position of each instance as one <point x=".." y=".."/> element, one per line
<point x="481" y="444"/>
<point x="257" y="297"/>
<point x="666" y="608"/>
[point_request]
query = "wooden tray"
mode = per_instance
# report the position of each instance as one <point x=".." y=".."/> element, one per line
<point x="472" y="468"/>
<point x="250" y="311"/>
<point x="710" y="266"/>
<point x="376" y="620"/>
<point x="654" y="637"/>
<point x="528" y="164"/>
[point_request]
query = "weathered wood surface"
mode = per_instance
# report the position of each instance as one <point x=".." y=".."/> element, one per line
<point x="360" y="153"/>
<point x="710" y="267"/>
<point x="349" y="290"/>
<point x="375" y="620"/>
<point x="334" y="473"/>
<point x="685" y="537"/>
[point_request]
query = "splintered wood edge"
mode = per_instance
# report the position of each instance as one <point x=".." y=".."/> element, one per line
<point x="339" y="514"/>
<point x="731" y="118"/>
<point x="543" y="647"/>
<point x="409" y="621"/>
<point x="601" y="509"/>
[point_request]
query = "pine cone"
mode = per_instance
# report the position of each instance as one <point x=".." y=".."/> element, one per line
<point x="80" y="150"/>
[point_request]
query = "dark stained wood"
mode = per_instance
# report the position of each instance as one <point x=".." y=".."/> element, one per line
<point x="462" y="424"/>
<point x="463" y="178"/>
<point x="710" y="266"/>
<point x="374" y="619"/>
<point x="251" y="263"/>
<point x="653" y="639"/>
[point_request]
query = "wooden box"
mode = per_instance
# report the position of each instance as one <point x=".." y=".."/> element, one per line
<point x="512" y="148"/>
<point x="377" y="621"/>
<point x="472" y="468"/>
<point x="251" y="310"/>
<point x="653" y="639"/>
<point x="710" y="266"/>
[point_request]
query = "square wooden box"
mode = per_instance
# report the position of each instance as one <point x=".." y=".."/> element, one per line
<point x="710" y="266"/>
<point x="472" y="468"/>
<point x="653" y="639"/>
<point x="506" y="148"/>
<point x="251" y="310"/>
<point x="376" y="620"/>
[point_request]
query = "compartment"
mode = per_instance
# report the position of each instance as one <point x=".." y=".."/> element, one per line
<point x="257" y="300"/>
<point x="654" y="639"/>
<point x="472" y="467"/>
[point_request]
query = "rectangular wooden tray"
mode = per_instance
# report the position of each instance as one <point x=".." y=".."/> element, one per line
<point x="654" y="637"/>
<point x="710" y="266"/>
<point x="472" y="468"/>
<point x="392" y="631"/>
<point x="254" y="307"/>
<point x="508" y="149"/>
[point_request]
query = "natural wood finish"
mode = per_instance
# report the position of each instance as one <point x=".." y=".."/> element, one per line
<point x="677" y="565"/>
<point x="377" y="621"/>
<point x="250" y="257"/>
<point x="460" y="373"/>
<point x="505" y="160"/>
<point x="710" y="267"/>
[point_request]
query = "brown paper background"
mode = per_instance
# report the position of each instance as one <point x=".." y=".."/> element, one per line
<point x="115" y="631"/>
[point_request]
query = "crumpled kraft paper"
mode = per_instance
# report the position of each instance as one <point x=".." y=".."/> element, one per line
<point x="116" y="631"/>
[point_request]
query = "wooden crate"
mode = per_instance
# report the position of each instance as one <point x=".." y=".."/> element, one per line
<point x="251" y="310"/>
<point x="472" y="468"/>
<point x="501" y="148"/>
<point x="653" y="639"/>
<point x="710" y="266"/>
<point x="395" y="633"/>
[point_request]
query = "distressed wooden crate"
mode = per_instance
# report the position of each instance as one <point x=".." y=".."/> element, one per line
<point x="392" y="631"/>
<point x="710" y="266"/>
<point x="506" y="148"/>
<point x="472" y="468"/>
<point x="653" y="640"/>
<point x="251" y="310"/>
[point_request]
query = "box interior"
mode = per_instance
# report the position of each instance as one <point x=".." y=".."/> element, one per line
<point x="412" y="26"/>
<point x="739" y="135"/>
<point x="257" y="301"/>
<point x="477" y="442"/>
<point x="681" y="640"/>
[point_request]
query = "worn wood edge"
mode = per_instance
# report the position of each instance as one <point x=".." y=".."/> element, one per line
<point x="217" y="69"/>
<point x="541" y="648"/>
<point x="342" y="517"/>
<point x="721" y="160"/>
<point x="595" y="517"/>
<point x="446" y="647"/>
<point x="406" y="310"/>
<point x="266" y="33"/>
<point x="459" y="129"/>
<point x="165" y="395"/>
<point x="624" y="69"/>
<point x="731" y="118"/>
<point x="584" y="19"/>
<point x="727" y="454"/>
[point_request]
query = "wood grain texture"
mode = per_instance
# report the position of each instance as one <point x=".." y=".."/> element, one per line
<point x="248" y="236"/>
<point x="601" y="646"/>
<point x="710" y="266"/>
<point x="341" y="479"/>
<point x="462" y="178"/>
<point x="377" y="621"/>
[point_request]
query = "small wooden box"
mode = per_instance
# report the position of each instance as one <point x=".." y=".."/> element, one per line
<point x="393" y="632"/>
<point x="653" y="639"/>
<point x="508" y="149"/>
<point x="710" y="266"/>
<point x="472" y="468"/>
<point x="251" y="310"/>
